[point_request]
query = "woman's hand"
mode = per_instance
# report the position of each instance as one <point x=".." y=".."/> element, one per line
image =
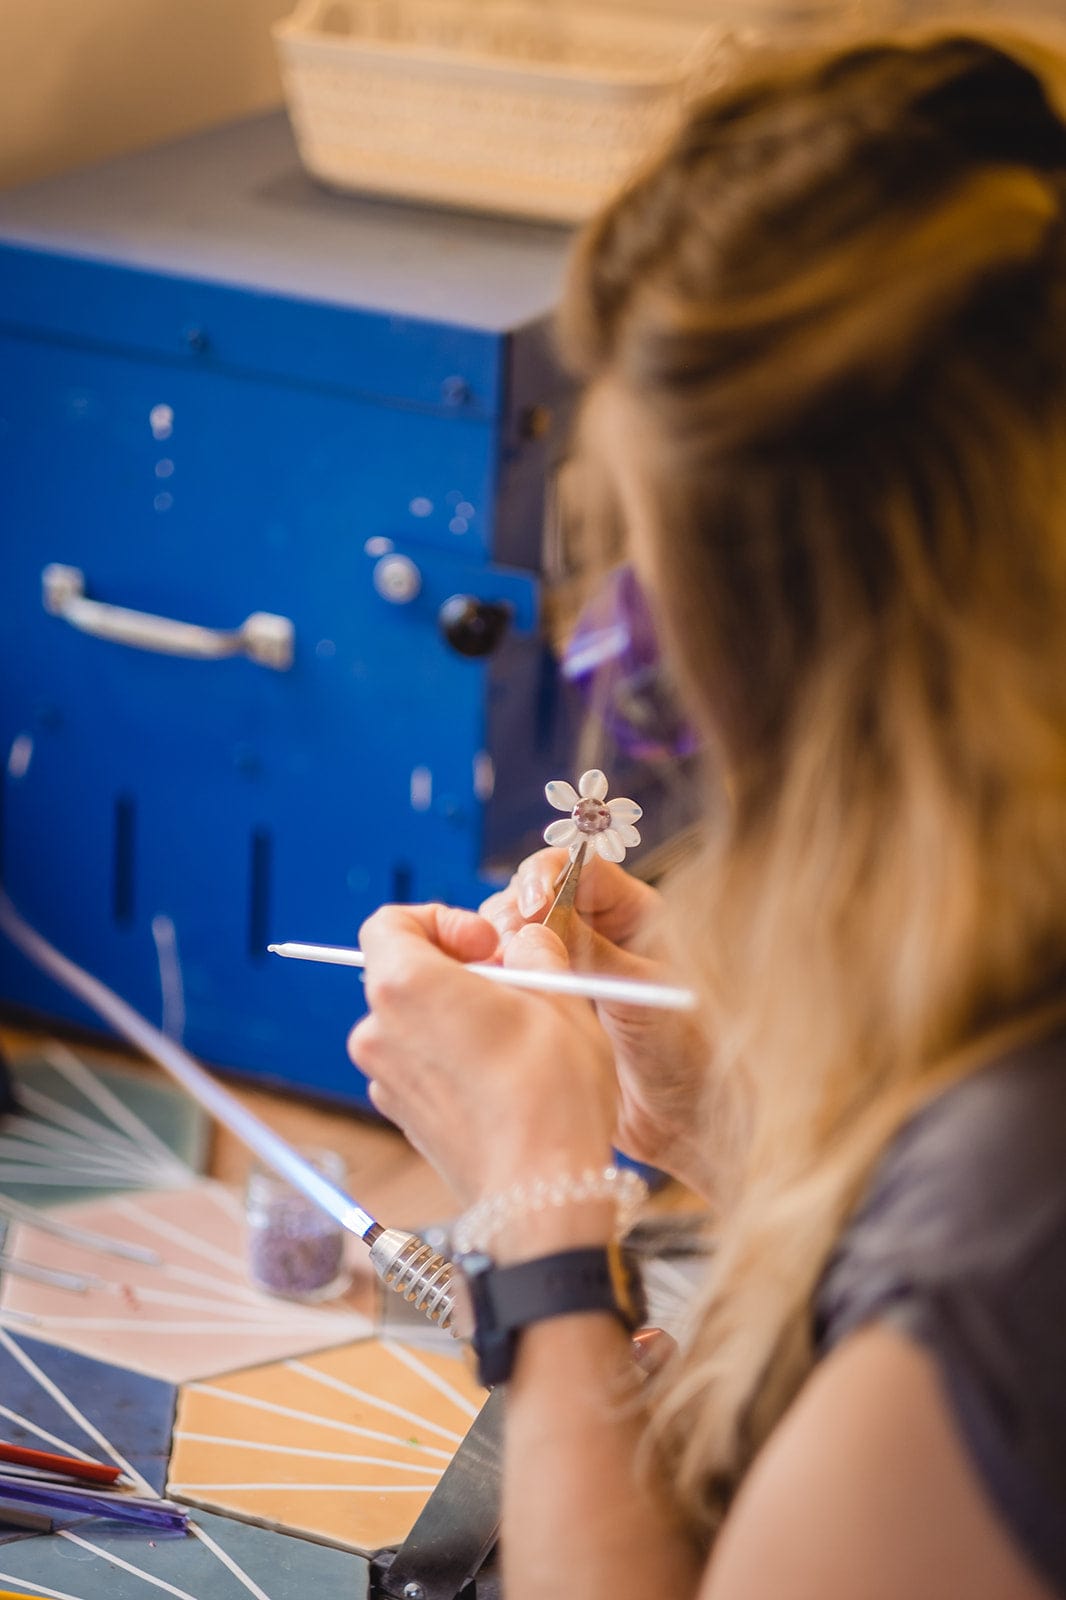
<point x="661" y="1058"/>
<point x="494" y="1086"/>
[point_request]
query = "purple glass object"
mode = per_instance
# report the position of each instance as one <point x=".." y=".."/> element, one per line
<point x="592" y="816"/>
<point x="294" y="1249"/>
<point x="119" y="1508"/>
<point x="615" y="660"/>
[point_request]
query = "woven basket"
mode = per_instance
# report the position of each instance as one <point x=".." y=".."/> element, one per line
<point x="492" y="104"/>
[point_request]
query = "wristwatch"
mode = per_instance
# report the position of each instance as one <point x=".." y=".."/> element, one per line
<point x="494" y="1303"/>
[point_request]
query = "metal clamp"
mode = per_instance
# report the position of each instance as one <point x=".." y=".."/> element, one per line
<point x="448" y="1554"/>
<point x="264" y="638"/>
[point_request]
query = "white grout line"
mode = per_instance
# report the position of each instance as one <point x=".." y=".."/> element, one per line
<point x="428" y="1375"/>
<point x="311" y="1455"/>
<point x="230" y="1202"/>
<point x="301" y="1488"/>
<point x="227" y="1561"/>
<point x="43" y="1133"/>
<point x="226" y="1289"/>
<point x="361" y="1394"/>
<point x="63" y="1400"/>
<point x="188" y="1241"/>
<point x="274" y="1409"/>
<point x="36" y="1220"/>
<point x="95" y="1090"/>
<point x="254" y="1312"/>
<point x="39" y="1588"/>
<point x="43" y="1155"/>
<point x="42" y="1433"/>
<point x="42" y="1129"/>
<point x="59" y="1179"/>
<point x="239" y="1299"/>
<point x="126" y="1566"/>
<point x="134" y="1324"/>
<point x="49" y="1109"/>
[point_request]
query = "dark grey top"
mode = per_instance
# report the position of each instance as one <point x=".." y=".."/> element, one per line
<point x="961" y="1243"/>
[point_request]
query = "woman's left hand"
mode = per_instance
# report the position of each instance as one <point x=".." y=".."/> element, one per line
<point x="494" y="1086"/>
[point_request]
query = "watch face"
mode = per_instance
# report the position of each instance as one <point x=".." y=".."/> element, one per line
<point x="464" y="1306"/>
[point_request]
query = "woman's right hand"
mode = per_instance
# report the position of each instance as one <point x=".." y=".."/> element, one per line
<point x="662" y="1058"/>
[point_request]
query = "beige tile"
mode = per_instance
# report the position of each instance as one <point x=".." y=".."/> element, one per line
<point x="344" y="1446"/>
<point x="192" y="1315"/>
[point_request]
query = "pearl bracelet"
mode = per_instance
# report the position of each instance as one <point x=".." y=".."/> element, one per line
<point x="476" y="1228"/>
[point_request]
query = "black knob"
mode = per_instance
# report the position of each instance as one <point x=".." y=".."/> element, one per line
<point x="473" y="627"/>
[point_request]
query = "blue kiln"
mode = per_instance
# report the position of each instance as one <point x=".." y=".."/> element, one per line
<point x="226" y="394"/>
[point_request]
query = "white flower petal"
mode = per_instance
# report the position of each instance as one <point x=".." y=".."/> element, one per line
<point x="563" y="796"/>
<point x="610" y="845"/>
<point x="592" y="785"/>
<point x="629" y="835"/>
<point x="562" y="832"/>
<point x="579" y="844"/>
<point x="624" y="810"/>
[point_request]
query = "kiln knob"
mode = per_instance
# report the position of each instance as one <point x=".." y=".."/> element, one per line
<point x="473" y="627"/>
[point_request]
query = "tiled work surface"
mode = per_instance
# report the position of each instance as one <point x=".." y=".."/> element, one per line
<point x="317" y="1438"/>
<point x="384" y="1173"/>
<point x="80" y="1133"/>
<point x="346" y="1434"/>
<point x="345" y="1446"/>
<point x="53" y="1399"/>
<point x="194" y="1313"/>
<point x="219" y="1560"/>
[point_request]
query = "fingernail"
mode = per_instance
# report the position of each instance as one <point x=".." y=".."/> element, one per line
<point x="652" y="1349"/>
<point x="531" y="896"/>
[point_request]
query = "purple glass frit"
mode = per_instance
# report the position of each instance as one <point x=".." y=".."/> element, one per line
<point x="615" y="660"/>
<point x="294" y="1249"/>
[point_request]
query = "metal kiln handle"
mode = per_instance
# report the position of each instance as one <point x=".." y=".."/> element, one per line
<point x="262" y="637"/>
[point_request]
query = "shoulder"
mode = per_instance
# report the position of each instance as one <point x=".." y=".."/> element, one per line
<point x="971" y="1188"/>
<point x="869" y="1490"/>
<point x="960" y="1246"/>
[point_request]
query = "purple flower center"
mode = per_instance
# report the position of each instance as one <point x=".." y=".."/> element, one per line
<point x="591" y="816"/>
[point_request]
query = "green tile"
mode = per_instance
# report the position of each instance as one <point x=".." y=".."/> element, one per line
<point x="114" y="1564"/>
<point x="82" y="1131"/>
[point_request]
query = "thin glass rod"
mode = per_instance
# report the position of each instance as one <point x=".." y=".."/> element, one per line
<point x="269" y="1146"/>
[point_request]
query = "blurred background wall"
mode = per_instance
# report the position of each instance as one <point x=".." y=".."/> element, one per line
<point x="84" y="79"/>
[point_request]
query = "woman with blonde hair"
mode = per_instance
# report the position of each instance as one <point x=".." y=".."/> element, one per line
<point x="823" y="346"/>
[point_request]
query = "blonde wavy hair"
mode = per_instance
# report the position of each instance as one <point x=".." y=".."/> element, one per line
<point x="824" y="342"/>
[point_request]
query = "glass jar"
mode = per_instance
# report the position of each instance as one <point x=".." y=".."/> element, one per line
<point x="295" y="1249"/>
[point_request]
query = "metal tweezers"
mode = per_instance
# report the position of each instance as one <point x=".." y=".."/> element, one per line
<point x="561" y="913"/>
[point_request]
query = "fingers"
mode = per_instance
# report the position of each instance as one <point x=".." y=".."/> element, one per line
<point x="529" y="893"/>
<point x="536" y="881"/>
<point x="536" y="949"/>
<point x="416" y="978"/>
<point x="463" y="935"/>
<point x="483" y="1080"/>
<point x="381" y="1100"/>
<point x="616" y="904"/>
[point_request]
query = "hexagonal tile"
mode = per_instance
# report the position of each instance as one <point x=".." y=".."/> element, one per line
<point x="52" y="1399"/>
<point x="345" y="1446"/>
<point x="191" y="1313"/>
<point x="80" y="1131"/>
<point x="219" y="1558"/>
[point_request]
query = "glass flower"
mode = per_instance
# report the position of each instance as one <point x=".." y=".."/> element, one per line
<point x="606" y="826"/>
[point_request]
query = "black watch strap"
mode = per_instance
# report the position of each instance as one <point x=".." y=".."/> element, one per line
<point x="507" y="1299"/>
